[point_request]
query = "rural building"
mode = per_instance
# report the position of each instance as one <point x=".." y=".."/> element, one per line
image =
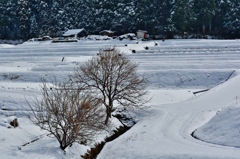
<point x="107" y="33"/>
<point x="75" y="33"/>
<point x="130" y="36"/>
<point x="142" y="34"/>
<point x="44" y="38"/>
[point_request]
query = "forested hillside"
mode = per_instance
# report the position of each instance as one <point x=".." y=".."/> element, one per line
<point x="24" y="19"/>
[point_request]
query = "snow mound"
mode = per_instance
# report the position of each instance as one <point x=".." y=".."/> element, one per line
<point x="98" y="37"/>
<point x="222" y="129"/>
<point x="5" y="122"/>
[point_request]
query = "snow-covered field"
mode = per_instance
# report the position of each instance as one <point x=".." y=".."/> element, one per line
<point x="175" y="68"/>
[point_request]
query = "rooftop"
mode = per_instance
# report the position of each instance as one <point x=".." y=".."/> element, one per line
<point x="73" y="32"/>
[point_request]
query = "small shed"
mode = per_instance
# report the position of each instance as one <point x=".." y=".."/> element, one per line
<point x="107" y="33"/>
<point x="75" y="33"/>
<point x="142" y="34"/>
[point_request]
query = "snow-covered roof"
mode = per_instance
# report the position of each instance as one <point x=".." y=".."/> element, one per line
<point x="73" y="32"/>
<point x="128" y="34"/>
<point x="143" y="31"/>
<point x="107" y="31"/>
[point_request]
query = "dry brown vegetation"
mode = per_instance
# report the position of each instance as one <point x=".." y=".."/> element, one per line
<point x="70" y="115"/>
<point x="74" y="111"/>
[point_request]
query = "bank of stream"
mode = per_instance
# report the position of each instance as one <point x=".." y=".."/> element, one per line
<point x="94" y="151"/>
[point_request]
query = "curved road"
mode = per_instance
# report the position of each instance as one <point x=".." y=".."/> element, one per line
<point x="166" y="133"/>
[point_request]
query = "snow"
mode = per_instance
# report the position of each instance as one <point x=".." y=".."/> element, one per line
<point x="6" y="46"/>
<point x="98" y="37"/>
<point x="128" y="36"/>
<point x="175" y="69"/>
<point x="72" y="32"/>
<point x="108" y="31"/>
<point x="166" y="133"/>
<point x="217" y="130"/>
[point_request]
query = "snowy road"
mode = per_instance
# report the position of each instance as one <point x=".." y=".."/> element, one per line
<point x="166" y="133"/>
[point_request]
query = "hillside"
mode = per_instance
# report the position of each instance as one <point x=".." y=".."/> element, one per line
<point x="175" y="69"/>
<point x="26" y="19"/>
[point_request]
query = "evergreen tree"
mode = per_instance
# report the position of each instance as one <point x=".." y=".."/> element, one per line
<point x="204" y="10"/>
<point x="104" y="14"/>
<point x="44" y="18"/>
<point x="161" y="10"/>
<point x="3" y="18"/>
<point x="124" y="17"/>
<point x="33" y="27"/>
<point x="182" y="15"/>
<point x="8" y="19"/>
<point x="218" y="19"/>
<point x="30" y="18"/>
<point x="56" y="19"/>
<point x="232" y="19"/>
<point x="24" y="18"/>
<point x="88" y="16"/>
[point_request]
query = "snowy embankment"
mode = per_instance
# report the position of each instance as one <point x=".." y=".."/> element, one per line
<point x="222" y="129"/>
<point x="175" y="68"/>
<point x="166" y="132"/>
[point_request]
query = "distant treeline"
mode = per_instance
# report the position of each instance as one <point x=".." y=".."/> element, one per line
<point x="24" y="19"/>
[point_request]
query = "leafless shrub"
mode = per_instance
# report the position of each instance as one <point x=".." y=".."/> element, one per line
<point x="5" y="76"/>
<point x="11" y="76"/>
<point x="70" y="115"/>
<point x="112" y="78"/>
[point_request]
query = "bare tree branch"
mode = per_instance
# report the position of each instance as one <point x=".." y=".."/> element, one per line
<point x="112" y="75"/>
<point x="70" y="115"/>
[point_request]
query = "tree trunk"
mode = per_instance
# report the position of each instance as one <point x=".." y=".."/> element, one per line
<point x="210" y="27"/>
<point x="63" y="142"/>
<point x="203" y="29"/>
<point x="108" y="112"/>
<point x="63" y="146"/>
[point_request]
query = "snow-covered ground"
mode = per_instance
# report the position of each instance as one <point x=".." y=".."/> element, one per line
<point x="175" y="69"/>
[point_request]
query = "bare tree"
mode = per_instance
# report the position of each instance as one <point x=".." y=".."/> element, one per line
<point x="70" y="115"/>
<point x="113" y="77"/>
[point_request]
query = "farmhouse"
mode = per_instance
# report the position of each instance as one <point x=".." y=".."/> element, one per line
<point x="142" y="34"/>
<point x="107" y="33"/>
<point x="75" y="33"/>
